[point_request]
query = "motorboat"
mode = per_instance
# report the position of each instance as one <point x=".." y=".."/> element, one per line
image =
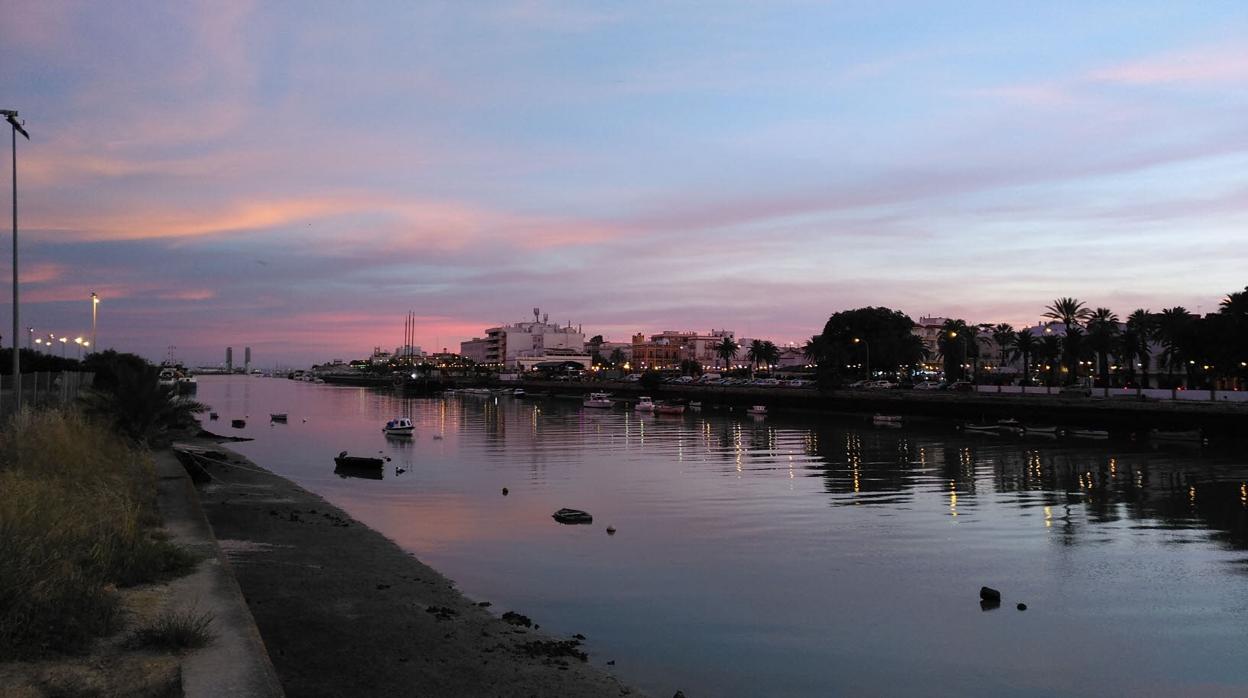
<point x="342" y="460"/>
<point x="278" y="417"/>
<point x="1051" y="432"/>
<point x="399" y="426"/>
<point x="669" y="408"/>
<point x="990" y="429"/>
<point x="695" y="405"/>
<point x="238" y="423"/>
<point x="598" y="400"/>
<point x="1192" y="436"/>
<point x="167" y="378"/>
<point x="644" y="404"/>
<point x="758" y="410"/>
<point x="1088" y="434"/>
<point x="518" y="393"/>
<point x="213" y="416"/>
<point x="886" y="419"/>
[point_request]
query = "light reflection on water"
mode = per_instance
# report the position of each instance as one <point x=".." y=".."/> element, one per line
<point x="804" y="555"/>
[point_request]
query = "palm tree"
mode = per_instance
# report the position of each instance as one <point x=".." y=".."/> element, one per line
<point x="1024" y="346"/>
<point x="755" y="354"/>
<point x="1070" y="312"/>
<point x="617" y="357"/>
<point x="1174" y="326"/>
<point x="1048" y="351"/>
<point x="139" y="407"/>
<point x="1141" y="325"/>
<point x="814" y="349"/>
<point x="1102" y="331"/>
<point x="770" y="353"/>
<point x="727" y="350"/>
<point x="1003" y="335"/>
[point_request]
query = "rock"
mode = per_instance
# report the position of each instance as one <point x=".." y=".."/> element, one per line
<point x="679" y="694"/>
<point x="610" y="530"/>
<point x="579" y="636"/>
<point x="611" y="663"/>
<point x="1022" y="607"/>
<point x="517" y="619"/>
<point x="989" y="594"/>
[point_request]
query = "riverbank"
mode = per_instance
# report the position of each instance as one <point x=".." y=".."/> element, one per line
<point x="1215" y="419"/>
<point x="345" y="611"/>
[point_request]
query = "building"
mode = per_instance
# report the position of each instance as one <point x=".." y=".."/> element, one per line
<point x="504" y="346"/>
<point x="669" y="348"/>
<point x="474" y="349"/>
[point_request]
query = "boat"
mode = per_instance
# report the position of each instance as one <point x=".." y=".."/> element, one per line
<point x="644" y="404"/>
<point x="278" y="417"/>
<point x="238" y="423"/>
<point x="669" y="408"/>
<point x="1010" y="426"/>
<point x="364" y="472"/>
<point x="1051" y="432"/>
<point x="598" y="400"/>
<point x="518" y="393"/>
<point x="167" y="378"/>
<point x="572" y="516"/>
<point x="990" y="429"/>
<point x="342" y="460"/>
<point x="1088" y="434"/>
<point x="758" y="410"/>
<point x="1193" y="435"/>
<point x="886" y="419"/>
<point x="399" y="426"/>
<point x="695" y="405"/>
<point x="213" y="416"/>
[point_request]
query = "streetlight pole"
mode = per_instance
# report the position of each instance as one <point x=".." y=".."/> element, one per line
<point x="95" y="304"/>
<point x="10" y="115"/>
<point x="866" y="346"/>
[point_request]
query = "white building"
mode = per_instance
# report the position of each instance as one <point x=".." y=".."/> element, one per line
<point x="474" y="349"/>
<point x="507" y="344"/>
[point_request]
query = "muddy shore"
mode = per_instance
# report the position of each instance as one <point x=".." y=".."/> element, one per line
<point x="345" y="612"/>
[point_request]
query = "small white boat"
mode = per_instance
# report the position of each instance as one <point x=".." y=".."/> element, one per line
<point x="1088" y="434"/>
<point x="886" y="419"/>
<point x="758" y="409"/>
<point x="399" y="426"/>
<point x="1051" y="432"/>
<point x="518" y="393"/>
<point x="644" y="404"/>
<point x="598" y="400"/>
<point x="669" y="408"/>
<point x="990" y="429"/>
<point x="695" y="405"/>
<point x="1193" y="436"/>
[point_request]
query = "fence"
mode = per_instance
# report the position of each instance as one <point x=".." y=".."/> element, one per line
<point x="1240" y="396"/>
<point x="46" y="388"/>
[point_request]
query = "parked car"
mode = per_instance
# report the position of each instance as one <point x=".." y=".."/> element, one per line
<point x="858" y="385"/>
<point x="799" y="383"/>
<point x="962" y="387"/>
<point x="1075" y="391"/>
<point x="927" y="385"/>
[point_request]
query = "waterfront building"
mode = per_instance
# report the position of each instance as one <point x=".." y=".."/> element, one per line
<point x="474" y="349"/>
<point x="668" y="348"/>
<point x="507" y="344"/>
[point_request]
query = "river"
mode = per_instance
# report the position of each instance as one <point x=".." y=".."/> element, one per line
<point x="798" y="555"/>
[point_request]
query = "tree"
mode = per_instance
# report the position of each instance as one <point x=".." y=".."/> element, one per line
<point x="690" y="367"/>
<point x="137" y="406"/>
<point x="1003" y="335"/>
<point x="887" y="334"/>
<point x="754" y="354"/>
<point x="814" y="349"/>
<point x="727" y="350"/>
<point x="1175" y="330"/>
<point x="1024" y="346"/>
<point x="1102" y="333"/>
<point x="595" y="349"/>
<point x="1142" y="328"/>
<point x="954" y="340"/>
<point x="617" y="357"/>
<point x="770" y="353"/>
<point x="1049" y="351"/>
<point x="1070" y="312"/>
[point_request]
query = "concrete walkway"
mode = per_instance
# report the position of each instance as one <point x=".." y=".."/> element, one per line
<point x="235" y="663"/>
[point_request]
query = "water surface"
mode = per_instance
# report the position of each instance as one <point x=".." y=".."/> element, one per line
<point x="799" y="555"/>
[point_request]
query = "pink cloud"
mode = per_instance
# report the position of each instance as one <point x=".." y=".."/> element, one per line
<point x="1217" y="64"/>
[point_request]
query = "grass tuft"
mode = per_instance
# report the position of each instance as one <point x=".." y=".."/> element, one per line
<point x="77" y="511"/>
<point x="175" y="631"/>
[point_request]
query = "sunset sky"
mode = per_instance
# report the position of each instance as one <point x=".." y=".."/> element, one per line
<point x="296" y="176"/>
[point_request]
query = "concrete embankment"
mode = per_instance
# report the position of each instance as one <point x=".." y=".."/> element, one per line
<point x="346" y="612"/>
<point x="1215" y="419"/>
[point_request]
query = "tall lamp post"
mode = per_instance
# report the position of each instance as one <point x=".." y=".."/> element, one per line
<point x="10" y="115"/>
<point x="867" y="349"/>
<point x="95" y="304"/>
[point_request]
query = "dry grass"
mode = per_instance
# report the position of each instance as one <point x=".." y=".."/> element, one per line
<point x="175" y="631"/>
<point x="77" y="511"/>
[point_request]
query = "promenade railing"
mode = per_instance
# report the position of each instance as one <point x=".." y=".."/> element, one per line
<point x="44" y="388"/>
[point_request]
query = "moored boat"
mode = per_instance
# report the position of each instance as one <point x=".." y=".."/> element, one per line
<point x="342" y="460"/>
<point x="886" y="419"/>
<point x="598" y="400"/>
<point x="758" y="410"/>
<point x="1088" y="434"/>
<point x="669" y="408"/>
<point x="644" y="404"/>
<point x="278" y="417"/>
<point x="1049" y="431"/>
<point x="1010" y="426"/>
<point x="518" y="393"/>
<point x="1191" y="436"/>
<point x="399" y="426"/>
<point x="989" y="429"/>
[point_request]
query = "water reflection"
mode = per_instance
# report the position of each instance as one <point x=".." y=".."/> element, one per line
<point x="797" y="555"/>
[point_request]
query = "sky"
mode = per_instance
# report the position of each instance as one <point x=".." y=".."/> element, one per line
<point x="296" y="176"/>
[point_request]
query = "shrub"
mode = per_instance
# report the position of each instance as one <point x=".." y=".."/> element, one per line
<point x="175" y="630"/>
